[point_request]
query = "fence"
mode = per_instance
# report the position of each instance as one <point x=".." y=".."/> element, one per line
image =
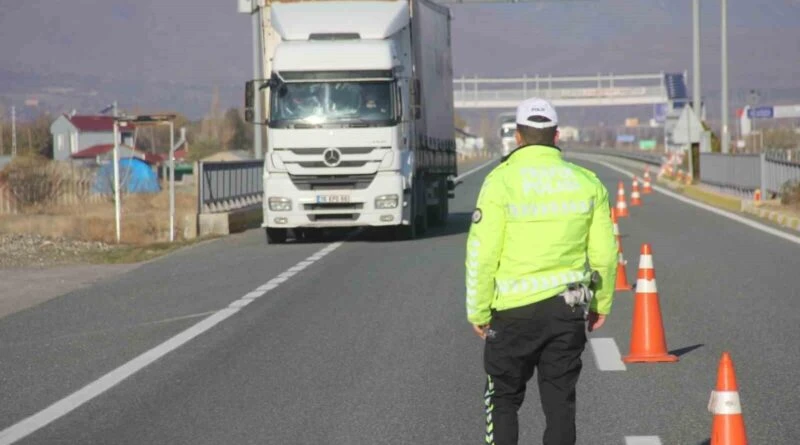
<point x="50" y="187"/>
<point x="229" y="185"/>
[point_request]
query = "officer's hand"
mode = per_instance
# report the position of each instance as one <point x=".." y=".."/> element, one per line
<point x="596" y="321"/>
<point x="480" y="330"/>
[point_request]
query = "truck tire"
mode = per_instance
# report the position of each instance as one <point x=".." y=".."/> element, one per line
<point x="276" y="236"/>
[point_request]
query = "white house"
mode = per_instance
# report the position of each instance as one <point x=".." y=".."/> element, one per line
<point x="73" y="134"/>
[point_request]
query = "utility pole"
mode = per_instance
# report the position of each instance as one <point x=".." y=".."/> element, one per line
<point x="117" y="204"/>
<point x="13" y="131"/>
<point x="696" y="105"/>
<point x="257" y="130"/>
<point x="726" y="135"/>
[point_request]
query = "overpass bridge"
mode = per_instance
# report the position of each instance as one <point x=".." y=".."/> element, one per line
<point x="576" y="91"/>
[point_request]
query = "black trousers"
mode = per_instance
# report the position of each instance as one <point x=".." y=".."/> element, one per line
<point x="548" y="336"/>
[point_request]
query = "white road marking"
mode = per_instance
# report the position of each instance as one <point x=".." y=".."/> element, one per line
<point x="642" y="440"/>
<point x="724" y="213"/>
<point x="606" y="354"/>
<point x="464" y="175"/>
<point x="64" y="406"/>
<point x="255" y="294"/>
<point x="240" y="303"/>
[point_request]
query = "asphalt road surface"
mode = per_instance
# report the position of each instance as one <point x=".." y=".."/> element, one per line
<point x="364" y="341"/>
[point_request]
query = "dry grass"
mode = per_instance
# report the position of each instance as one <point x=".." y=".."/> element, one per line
<point x="144" y="217"/>
<point x="139" y="253"/>
<point x="696" y="192"/>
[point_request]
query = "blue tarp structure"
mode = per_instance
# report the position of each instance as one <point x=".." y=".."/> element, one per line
<point x="135" y="176"/>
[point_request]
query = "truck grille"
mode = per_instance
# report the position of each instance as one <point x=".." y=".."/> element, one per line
<point x="333" y="217"/>
<point x="330" y="182"/>
<point x="334" y="206"/>
<point x="341" y="164"/>
<point x="344" y="150"/>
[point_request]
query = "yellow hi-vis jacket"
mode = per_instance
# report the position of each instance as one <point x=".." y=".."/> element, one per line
<point x="540" y="223"/>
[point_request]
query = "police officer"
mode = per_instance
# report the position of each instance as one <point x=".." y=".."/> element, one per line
<point x="541" y="227"/>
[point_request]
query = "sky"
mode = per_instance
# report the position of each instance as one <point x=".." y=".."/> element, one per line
<point x="206" y="42"/>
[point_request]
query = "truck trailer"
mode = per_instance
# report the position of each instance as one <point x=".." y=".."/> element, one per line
<point x="359" y="106"/>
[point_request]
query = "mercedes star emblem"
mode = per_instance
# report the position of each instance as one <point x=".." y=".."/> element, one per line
<point x="332" y="157"/>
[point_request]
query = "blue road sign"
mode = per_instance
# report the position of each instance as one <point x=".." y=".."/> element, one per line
<point x="676" y="86"/>
<point x="623" y="138"/>
<point x="660" y="112"/>
<point x="761" y="113"/>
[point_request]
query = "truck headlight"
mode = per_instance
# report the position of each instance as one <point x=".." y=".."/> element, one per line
<point x="279" y="204"/>
<point x="386" y="201"/>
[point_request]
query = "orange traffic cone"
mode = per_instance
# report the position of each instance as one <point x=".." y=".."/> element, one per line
<point x="622" y="206"/>
<point x="622" y="274"/>
<point x="647" y="189"/>
<point x="648" y="343"/>
<point x="635" y="197"/>
<point x="616" y="228"/>
<point x="728" y="425"/>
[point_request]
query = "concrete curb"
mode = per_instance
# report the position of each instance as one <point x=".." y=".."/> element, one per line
<point x="781" y="219"/>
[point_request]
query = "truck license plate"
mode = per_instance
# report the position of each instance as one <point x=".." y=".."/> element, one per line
<point x="332" y="199"/>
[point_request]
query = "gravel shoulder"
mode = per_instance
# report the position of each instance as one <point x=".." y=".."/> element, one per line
<point x="34" y="269"/>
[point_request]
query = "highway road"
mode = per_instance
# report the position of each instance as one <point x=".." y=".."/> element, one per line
<point x="360" y="341"/>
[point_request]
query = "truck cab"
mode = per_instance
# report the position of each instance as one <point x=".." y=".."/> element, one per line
<point x="348" y="137"/>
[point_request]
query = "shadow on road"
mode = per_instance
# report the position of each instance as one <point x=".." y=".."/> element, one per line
<point x="680" y="352"/>
<point x="457" y="223"/>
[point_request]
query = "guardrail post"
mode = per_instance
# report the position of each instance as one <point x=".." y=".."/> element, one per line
<point x="762" y="159"/>
<point x="200" y="178"/>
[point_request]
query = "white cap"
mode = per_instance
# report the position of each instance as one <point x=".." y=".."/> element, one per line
<point x="536" y="107"/>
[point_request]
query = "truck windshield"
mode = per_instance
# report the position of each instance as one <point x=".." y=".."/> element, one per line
<point x="507" y="132"/>
<point x="357" y="103"/>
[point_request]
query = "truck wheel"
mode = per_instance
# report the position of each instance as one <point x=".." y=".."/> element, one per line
<point x="405" y="233"/>
<point x="276" y="236"/>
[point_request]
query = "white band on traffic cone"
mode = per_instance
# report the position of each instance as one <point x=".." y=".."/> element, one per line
<point x="646" y="286"/>
<point x="724" y="402"/>
<point x="645" y="261"/>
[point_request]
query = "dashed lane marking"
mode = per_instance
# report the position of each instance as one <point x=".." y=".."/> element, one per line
<point x="606" y="354"/>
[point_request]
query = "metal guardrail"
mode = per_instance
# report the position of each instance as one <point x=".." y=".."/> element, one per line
<point x="230" y="185"/>
<point x="739" y="173"/>
<point x="776" y="172"/>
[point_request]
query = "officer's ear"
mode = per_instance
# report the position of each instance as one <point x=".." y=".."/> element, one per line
<point x="555" y="139"/>
<point x="518" y="137"/>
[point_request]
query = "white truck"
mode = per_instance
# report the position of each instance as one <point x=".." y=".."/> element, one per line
<point x="360" y="117"/>
<point x="508" y="143"/>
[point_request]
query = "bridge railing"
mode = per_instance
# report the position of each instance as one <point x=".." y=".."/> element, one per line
<point x="505" y="94"/>
<point x="230" y="185"/>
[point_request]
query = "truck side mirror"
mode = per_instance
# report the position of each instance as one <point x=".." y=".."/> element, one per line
<point x="249" y="101"/>
<point x="252" y="90"/>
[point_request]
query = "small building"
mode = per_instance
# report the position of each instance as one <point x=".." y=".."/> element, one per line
<point x="75" y="133"/>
